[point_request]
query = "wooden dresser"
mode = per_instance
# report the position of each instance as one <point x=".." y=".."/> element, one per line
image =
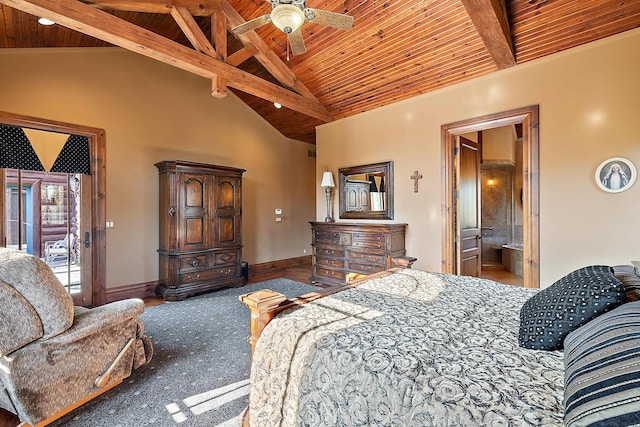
<point x="200" y="228"/>
<point x="340" y="248"/>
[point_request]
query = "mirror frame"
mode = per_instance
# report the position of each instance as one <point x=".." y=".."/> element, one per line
<point x="387" y="169"/>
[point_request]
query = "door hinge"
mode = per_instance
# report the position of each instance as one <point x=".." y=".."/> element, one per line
<point x="456" y="150"/>
<point x="456" y="194"/>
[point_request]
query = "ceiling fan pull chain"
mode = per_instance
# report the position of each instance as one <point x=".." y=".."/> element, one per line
<point x="288" y="43"/>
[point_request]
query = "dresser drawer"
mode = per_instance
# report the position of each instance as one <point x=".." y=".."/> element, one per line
<point x="323" y="272"/>
<point x="369" y="244"/>
<point x="331" y="262"/>
<point x="192" y="261"/>
<point x="327" y="238"/>
<point x="323" y="251"/>
<point x="227" y="257"/>
<point x="365" y="268"/>
<point x="205" y="275"/>
<point x="369" y="237"/>
<point x="367" y="258"/>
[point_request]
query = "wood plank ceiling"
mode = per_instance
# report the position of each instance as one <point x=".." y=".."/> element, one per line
<point x="396" y="49"/>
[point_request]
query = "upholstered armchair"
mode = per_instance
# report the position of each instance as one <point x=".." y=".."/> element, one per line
<point x="54" y="356"/>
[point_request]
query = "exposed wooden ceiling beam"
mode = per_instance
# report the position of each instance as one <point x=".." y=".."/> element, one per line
<point x="190" y="28"/>
<point x="104" y="26"/>
<point x="490" y="19"/>
<point x="269" y="60"/>
<point x="219" y="38"/>
<point x="242" y="55"/>
<point x="265" y="56"/>
<point x="195" y="8"/>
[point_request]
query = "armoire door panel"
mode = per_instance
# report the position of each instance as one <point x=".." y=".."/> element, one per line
<point x="226" y="229"/>
<point x="194" y="231"/>
<point x="194" y="186"/>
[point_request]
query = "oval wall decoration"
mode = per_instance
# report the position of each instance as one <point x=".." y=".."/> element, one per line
<point x="616" y="174"/>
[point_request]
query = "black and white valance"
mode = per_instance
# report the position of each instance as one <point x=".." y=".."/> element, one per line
<point x="74" y="156"/>
<point x="18" y="153"/>
<point x="16" y="150"/>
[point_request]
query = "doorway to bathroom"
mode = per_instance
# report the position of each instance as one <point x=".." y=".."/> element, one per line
<point x="491" y="226"/>
<point x="501" y="167"/>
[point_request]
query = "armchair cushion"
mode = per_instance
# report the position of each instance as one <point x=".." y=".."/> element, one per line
<point x="35" y="281"/>
<point x="19" y="322"/>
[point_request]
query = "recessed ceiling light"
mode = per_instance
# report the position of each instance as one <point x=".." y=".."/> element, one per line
<point x="45" y="21"/>
<point x="277" y="105"/>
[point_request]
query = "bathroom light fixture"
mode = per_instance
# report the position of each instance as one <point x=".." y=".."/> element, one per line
<point x="287" y="17"/>
<point x="277" y="105"/>
<point x="45" y="21"/>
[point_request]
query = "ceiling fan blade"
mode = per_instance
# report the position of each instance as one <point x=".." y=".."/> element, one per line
<point x="297" y="42"/>
<point x="252" y="25"/>
<point x="330" y="19"/>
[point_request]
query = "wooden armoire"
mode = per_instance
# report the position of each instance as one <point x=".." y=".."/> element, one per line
<point x="200" y="228"/>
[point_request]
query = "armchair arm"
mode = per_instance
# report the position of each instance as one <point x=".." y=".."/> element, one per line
<point x="88" y="322"/>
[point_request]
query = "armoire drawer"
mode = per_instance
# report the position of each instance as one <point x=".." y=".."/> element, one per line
<point x="226" y="257"/>
<point x="189" y="262"/>
<point x="209" y="274"/>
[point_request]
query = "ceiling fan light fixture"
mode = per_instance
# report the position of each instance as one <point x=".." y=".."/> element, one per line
<point x="45" y="21"/>
<point x="287" y="17"/>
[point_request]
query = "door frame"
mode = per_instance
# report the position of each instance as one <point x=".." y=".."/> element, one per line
<point x="528" y="117"/>
<point x="97" y="154"/>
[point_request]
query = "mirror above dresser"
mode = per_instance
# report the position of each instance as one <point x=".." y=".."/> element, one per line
<point x="366" y="191"/>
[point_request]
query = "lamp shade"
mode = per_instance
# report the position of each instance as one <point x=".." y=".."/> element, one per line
<point x="287" y="17"/>
<point x="327" y="180"/>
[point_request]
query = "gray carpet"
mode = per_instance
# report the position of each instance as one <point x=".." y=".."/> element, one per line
<point x="200" y="368"/>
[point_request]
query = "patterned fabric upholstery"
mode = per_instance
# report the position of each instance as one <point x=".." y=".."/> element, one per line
<point x="33" y="279"/>
<point x="582" y="295"/>
<point x="628" y="275"/>
<point x="602" y="370"/>
<point x="52" y="352"/>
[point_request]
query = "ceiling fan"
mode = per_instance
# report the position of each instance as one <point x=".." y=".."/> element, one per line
<point x="289" y="15"/>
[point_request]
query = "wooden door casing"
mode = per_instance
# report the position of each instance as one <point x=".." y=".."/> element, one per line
<point x="93" y="249"/>
<point x="528" y="117"/>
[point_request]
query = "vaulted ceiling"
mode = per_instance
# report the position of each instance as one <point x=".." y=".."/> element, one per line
<point x="396" y="49"/>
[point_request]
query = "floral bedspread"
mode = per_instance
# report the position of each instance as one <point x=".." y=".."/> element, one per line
<point x="409" y="349"/>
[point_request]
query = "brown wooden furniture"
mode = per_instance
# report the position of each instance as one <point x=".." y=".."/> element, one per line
<point x="200" y="228"/>
<point x="341" y="247"/>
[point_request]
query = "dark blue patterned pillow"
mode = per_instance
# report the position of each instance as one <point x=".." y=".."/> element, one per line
<point x="602" y="370"/>
<point x="582" y="295"/>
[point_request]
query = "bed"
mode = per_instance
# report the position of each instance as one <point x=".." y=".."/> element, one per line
<point x="403" y="348"/>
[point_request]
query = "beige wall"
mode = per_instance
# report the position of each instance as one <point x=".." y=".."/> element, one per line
<point x="589" y="101"/>
<point x="152" y="112"/>
<point x="498" y="145"/>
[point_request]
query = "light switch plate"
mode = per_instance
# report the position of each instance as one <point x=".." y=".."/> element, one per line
<point x="278" y="211"/>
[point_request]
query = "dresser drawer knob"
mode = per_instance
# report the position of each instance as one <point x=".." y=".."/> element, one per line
<point x="226" y="272"/>
<point x="196" y="277"/>
<point x="195" y="262"/>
